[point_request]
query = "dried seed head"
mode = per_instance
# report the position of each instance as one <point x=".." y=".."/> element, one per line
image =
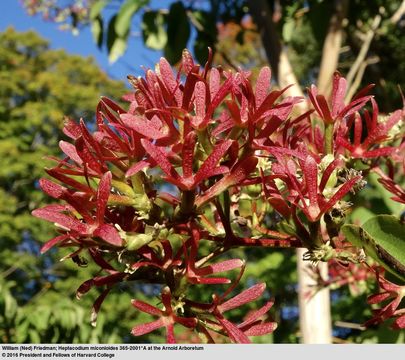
<point x="345" y="175"/>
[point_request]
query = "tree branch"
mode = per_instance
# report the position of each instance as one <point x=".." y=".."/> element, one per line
<point x="359" y="62"/>
<point x="331" y="47"/>
<point x="359" y="76"/>
<point x="399" y="13"/>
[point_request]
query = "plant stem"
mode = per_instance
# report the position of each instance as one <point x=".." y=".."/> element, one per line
<point x="137" y="183"/>
<point x="225" y="221"/>
<point x="218" y="251"/>
<point x="186" y="205"/>
<point x="329" y="138"/>
<point x="315" y="238"/>
<point x="204" y="140"/>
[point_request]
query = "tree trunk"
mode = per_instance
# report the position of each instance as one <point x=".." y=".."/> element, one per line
<point x="315" y="318"/>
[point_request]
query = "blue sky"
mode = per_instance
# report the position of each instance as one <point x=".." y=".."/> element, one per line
<point x="13" y="14"/>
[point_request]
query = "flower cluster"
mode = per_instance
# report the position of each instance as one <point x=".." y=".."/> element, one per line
<point x="213" y="320"/>
<point x="152" y="193"/>
<point x="394" y="293"/>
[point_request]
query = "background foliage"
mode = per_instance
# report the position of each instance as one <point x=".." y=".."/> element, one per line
<point x="227" y="27"/>
<point x="38" y="87"/>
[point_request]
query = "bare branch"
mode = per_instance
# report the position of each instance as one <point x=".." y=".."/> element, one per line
<point x="359" y="62"/>
<point x="399" y="13"/>
<point x="9" y="271"/>
<point x="359" y="76"/>
<point x="349" y="325"/>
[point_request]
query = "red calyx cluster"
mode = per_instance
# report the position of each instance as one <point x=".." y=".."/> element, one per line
<point x="150" y="194"/>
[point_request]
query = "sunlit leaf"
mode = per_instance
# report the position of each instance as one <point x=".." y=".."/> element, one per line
<point x="125" y="14"/>
<point x="97" y="31"/>
<point x="382" y="238"/>
<point x="97" y="8"/>
<point x="153" y="30"/>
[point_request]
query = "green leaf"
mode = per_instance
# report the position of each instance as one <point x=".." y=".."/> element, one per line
<point x="153" y="30"/>
<point x="352" y="234"/>
<point x="361" y="215"/>
<point x="201" y="45"/>
<point x="117" y="49"/>
<point x="127" y="10"/>
<point x="382" y="238"/>
<point x="389" y="232"/>
<point x="56" y="335"/>
<point x="206" y="22"/>
<point x="97" y="31"/>
<point x="116" y="45"/>
<point x="288" y="30"/>
<point x="40" y="319"/>
<point x="395" y="208"/>
<point x="111" y="34"/>
<point x="286" y="228"/>
<point x="178" y="32"/>
<point x="206" y="35"/>
<point x="34" y="336"/>
<point x="240" y="37"/>
<point x="10" y="306"/>
<point x="97" y="8"/>
<point x="318" y="17"/>
<point x="22" y="331"/>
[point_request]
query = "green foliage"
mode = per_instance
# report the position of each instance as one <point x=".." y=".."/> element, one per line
<point x="124" y="15"/>
<point x="382" y="237"/>
<point x="386" y="49"/>
<point x="38" y="87"/>
<point x="266" y="268"/>
<point x="301" y="26"/>
<point x="207" y="34"/>
<point x="178" y="32"/>
<point x="97" y="31"/>
<point x="153" y="31"/>
<point x="119" y="28"/>
<point x="97" y="23"/>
